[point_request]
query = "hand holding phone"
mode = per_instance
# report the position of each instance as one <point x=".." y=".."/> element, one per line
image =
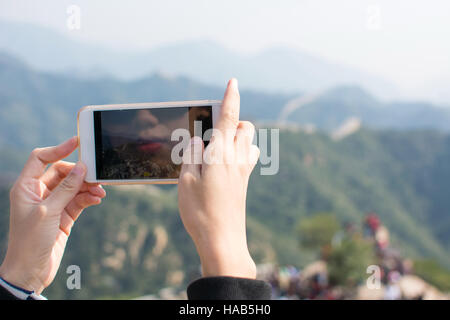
<point x="212" y="196"/>
<point x="45" y="203"/>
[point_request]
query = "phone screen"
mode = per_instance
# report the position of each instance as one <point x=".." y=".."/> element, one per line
<point x="137" y="144"/>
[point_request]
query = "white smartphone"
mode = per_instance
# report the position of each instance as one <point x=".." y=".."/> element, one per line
<point x="136" y="143"/>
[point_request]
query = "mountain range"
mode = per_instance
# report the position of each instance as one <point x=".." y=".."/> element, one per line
<point x="397" y="165"/>
<point x="134" y="243"/>
<point x="33" y="99"/>
<point x="331" y="108"/>
<point x="276" y="69"/>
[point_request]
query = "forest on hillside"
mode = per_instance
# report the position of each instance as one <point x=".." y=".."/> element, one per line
<point x="135" y="244"/>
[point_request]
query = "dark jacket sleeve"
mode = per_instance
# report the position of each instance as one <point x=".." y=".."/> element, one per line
<point x="6" y="295"/>
<point x="228" y="288"/>
<point x="212" y="288"/>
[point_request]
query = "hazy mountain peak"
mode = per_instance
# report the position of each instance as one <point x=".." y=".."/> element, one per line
<point x="7" y="60"/>
<point x="276" y="69"/>
<point x="354" y="92"/>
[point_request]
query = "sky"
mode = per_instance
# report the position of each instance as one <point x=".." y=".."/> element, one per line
<point x="404" y="41"/>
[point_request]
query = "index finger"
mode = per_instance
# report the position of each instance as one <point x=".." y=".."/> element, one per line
<point x="41" y="157"/>
<point x="229" y="112"/>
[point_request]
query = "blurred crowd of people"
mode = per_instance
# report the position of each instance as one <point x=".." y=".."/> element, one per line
<point x="396" y="274"/>
<point x="396" y="278"/>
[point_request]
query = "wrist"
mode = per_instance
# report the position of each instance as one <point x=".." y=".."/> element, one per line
<point x="228" y="261"/>
<point x="19" y="279"/>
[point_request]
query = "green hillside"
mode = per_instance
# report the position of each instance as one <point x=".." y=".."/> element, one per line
<point x="402" y="176"/>
<point x="134" y="243"/>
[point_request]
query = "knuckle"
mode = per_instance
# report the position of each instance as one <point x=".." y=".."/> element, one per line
<point x="231" y="116"/>
<point x="248" y="129"/>
<point x="41" y="211"/>
<point x="68" y="184"/>
<point x="216" y="141"/>
<point x="248" y="125"/>
<point x="188" y="178"/>
<point x="36" y="152"/>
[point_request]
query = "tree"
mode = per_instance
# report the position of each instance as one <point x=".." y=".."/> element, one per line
<point x="318" y="230"/>
<point x="348" y="261"/>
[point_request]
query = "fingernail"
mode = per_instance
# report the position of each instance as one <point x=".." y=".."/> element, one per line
<point x="78" y="169"/>
<point x="196" y="140"/>
<point x="234" y="84"/>
<point x="74" y="139"/>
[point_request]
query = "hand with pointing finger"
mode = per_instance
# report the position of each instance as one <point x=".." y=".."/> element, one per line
<point x="44" y="206"/>
<point x="212" y="192"/>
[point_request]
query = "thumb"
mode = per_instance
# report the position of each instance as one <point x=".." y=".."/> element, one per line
<point x="193" y="157"/>
<point x="67" y="189"/>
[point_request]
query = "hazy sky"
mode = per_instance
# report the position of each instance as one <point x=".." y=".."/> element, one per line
<point x="406" y="41"/>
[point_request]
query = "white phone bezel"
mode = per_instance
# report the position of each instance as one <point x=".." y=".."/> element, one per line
<point x="86" y="139"/>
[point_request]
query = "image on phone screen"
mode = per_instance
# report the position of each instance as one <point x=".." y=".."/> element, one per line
<point x="136" y="143"/>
